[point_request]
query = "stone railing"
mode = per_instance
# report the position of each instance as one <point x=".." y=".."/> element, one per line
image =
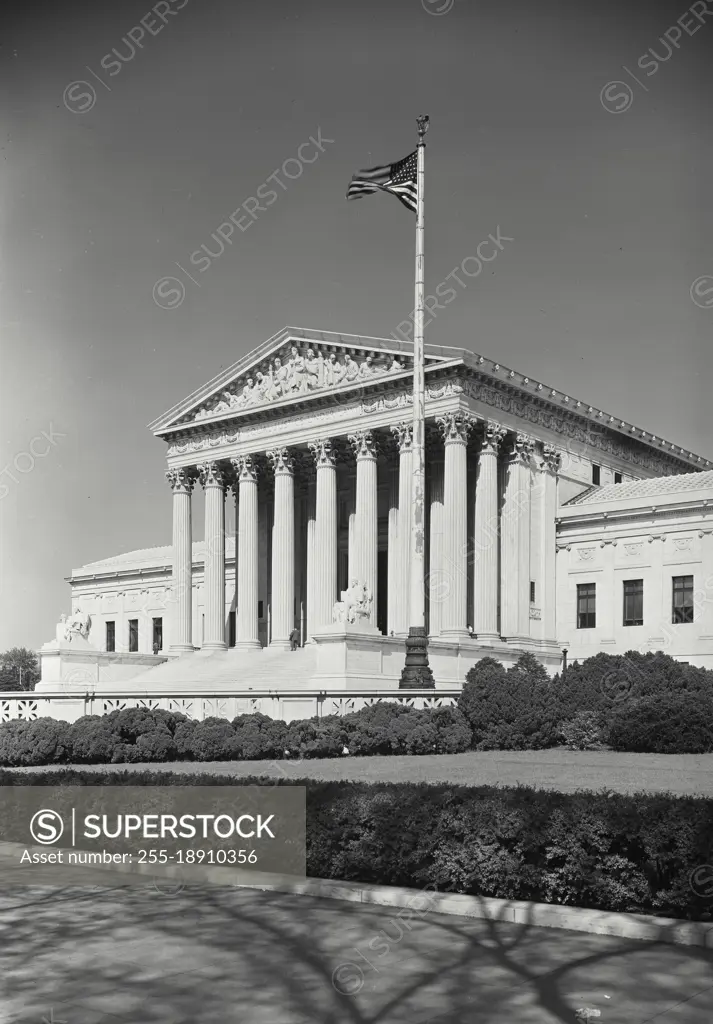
<point x="287" y="705"/>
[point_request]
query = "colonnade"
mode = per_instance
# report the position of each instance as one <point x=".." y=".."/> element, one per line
<point x="512" y="472"/>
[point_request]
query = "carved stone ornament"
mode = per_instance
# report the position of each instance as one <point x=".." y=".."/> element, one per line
<point x="551" y="458"/>
<point x="281" y="460"/>
<point x="454" y="427"/>
<point x="523" y="449"/>
<point x="355" y="604"/>
<point x="682" y="543"/>
<point x="211" y="474"/>
<point x="180" y="480"/>
<point x="633" y="549"/>
<point x="323" y="452"/>
<point x="297" y="372"/>
<point x="364" y="444"/>
<point x="403" y="433"/>
<point x="586" y="554"/>
<point x="76" y="626"/>
<point x="245" y="468"/>
<point x="492" y="438"/>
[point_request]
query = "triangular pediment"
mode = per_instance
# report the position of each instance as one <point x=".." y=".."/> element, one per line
<point x="296" y="364"/>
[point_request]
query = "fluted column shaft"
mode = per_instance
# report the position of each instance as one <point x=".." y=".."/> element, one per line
<point x="437" y="578"/>
<point x="311" y="561"/>
<point x="182" y="483"/>
<point x="394" y="552"/>
<point x="548" y="601"/>
<point x="515" y="545"/>
<point x="247" y="545"/>
<point x="283" y="549"/>
<point x="214" y="483"/>
<point x="486" y="529"/>
<point x="324" y="570"/>
<point x="366" y="539"/>
<point x="454" y="428"/>
<point x="403" y="433"/>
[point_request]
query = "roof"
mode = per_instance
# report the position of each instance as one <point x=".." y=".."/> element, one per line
<point x="146" y="558"/>
<point x="653" y="486"/>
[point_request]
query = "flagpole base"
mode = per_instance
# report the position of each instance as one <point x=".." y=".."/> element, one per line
<point x="417" y="674"/>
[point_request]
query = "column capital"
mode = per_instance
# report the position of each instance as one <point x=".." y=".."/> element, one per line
<point x="212" y="475"/>
<point x="245" y="468"/>
<point x="492" y="438"/>
<point x="323" y="452"/>
<point x="523" y="450"/>
<point x="454" y="427"/>
<point x="181" y="481"/>
<point x="551" y="459"/>
<point x="403" y="433"/>
<point x="364" y="444"/>
<point x="281" y="460"/>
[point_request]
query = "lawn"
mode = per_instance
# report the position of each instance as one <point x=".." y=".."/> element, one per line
<point x="560" y="769"/>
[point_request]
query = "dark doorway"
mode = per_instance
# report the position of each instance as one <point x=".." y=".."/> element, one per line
<point x="382" y="595"/>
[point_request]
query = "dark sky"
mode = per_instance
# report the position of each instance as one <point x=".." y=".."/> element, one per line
<point x="610" y="216"/>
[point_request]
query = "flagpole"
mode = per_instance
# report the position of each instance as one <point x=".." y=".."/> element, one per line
<point x="417" y="672"/>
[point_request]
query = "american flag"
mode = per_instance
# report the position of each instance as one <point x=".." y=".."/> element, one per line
<point x="398" y="178"/>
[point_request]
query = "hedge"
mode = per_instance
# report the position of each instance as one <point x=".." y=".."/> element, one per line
<point x="640" y="703"/>
<point x="632" y="853"/>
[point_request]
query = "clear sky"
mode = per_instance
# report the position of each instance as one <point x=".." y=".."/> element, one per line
<point x="610" y="216"/>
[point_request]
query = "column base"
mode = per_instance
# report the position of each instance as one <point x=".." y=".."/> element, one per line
<point x="279" y="645"/>
<point x="214" y="645"/>
<point x="455" y="636"/>
<point x="248" y="645"/>
<point x="417" y="674"/>
<point x="181" y="649"/>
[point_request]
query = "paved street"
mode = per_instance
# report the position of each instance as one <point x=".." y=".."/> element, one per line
<point x="214" y="956"/>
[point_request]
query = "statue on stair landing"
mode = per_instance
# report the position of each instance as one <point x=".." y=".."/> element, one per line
<point x="355" y="604"/>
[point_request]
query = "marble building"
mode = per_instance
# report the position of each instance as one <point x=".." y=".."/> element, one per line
<point x="306" y="442"/>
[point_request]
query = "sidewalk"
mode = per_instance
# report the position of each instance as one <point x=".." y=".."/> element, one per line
<point x="217" y="956"/>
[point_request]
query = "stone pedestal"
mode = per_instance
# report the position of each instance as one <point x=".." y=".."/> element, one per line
<point x="350" y="656"/>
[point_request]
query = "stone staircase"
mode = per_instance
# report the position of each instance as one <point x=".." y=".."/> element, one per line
<point x="264" y="669"/>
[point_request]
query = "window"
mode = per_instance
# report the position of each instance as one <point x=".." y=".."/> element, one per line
<point x="617" y="478"/>
<point x="532" y="591"/>
<point x="586" y="605"/>
<point x="133" y="635"/>
<point x="157" y="641"/>
<point x="596" y="474"/>
<point x="633" y="602"/>
<point x="682" y="599"/>
<point x="231" y="629"/>
<point x="111" y="636"/>
<point x="260" y="610"/>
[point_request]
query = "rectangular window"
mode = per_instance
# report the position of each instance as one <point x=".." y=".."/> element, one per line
<point x="532" y="591"/>
<point x="586" y="605"/>
<point x="111" y="636"/>
<point x="596" y="474"/>
<point x="682" y="599"/>
<point x="157" y="642"/>
<point x="231" y="629"/>
<point x="617" y="478"/>
<point x="133" y="635"/>
<point x="260" y="610"/>
<point x="633" y="602"/>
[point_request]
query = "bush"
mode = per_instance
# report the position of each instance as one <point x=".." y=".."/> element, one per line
<point x="678" y="723"/>
<point x="214" y="739"/>
<point x="314" y="738"/>
<point x="92" y="740"/>
<point x="259" y="737"/>
<point x="369" y="730"/>
<point x="509" y="710"/>
<point x="583" y="732"/>
<point x="43" y="741"/>
<point x="413" y="733"/>
<point x="453" y="734"/>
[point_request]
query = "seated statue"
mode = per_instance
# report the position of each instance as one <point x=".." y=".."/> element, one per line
<point x="355" y="604"/>
<point x="77" y="625"/>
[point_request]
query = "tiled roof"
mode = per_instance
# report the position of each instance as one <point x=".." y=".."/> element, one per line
<point x="645" y="488"/>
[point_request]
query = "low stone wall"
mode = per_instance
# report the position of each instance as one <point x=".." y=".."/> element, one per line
<point x="286" y="705"/>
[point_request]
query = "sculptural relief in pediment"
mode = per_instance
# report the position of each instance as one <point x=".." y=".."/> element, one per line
<point x="296" y="372"/>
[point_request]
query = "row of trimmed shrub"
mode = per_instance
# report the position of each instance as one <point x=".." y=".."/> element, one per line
<point x="631" y="853"/>
<point x="638" y="703"/>
<point x="137" y="735"/>
<point x="643" y="703"/>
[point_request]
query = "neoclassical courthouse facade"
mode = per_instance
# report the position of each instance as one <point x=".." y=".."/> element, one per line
<point x="550" y="524"/>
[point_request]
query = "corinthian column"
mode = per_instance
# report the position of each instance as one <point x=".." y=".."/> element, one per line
<point x="515" y="543"/>
<point x="454" y="427"/>
<point x="403" y="432"/>
<point x="485" y="584"/>
<point x="437" y="580"/>
<point x="551" y="460"/>
<point x="213" y="480"/>
<point x="366" y="540"/>
<point x="283" y="549"/>
<point x="247" y="545"/>
<point x="322" y="568"/>
<point x="182" y="483"/>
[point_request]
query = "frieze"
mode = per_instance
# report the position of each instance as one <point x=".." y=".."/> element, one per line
<point x="528" y="410"/>
<point x="297" y="373"/>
